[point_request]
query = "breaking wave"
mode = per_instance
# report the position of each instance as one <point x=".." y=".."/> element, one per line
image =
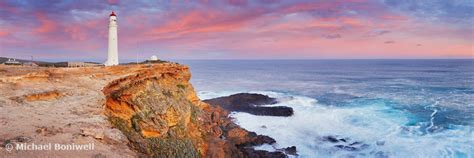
<point x="362" y="127"/>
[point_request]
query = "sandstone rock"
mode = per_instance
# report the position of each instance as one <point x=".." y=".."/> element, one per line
<point x="48" y="131"/>
<point x="161" y="116"/>
<point x="42" y="96"/>
<point x="29" y="77"/>
<point x="99" y="155"/>
<point x="17" y="139"/>
<point x="114" y="136"/>
<point x="94" y="133"/>
<point x="154" y="113"/>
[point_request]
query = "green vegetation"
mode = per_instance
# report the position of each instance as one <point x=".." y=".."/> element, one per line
<point x="180" y="86"/>
<point x="195" y="112"/>
<point x="135" y="120"/>
<point x="167" y="93"/>
<point x="169" y="147"/>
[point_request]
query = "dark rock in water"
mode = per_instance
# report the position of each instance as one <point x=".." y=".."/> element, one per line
<point x="355" y="143"/>
<point x="257" y="140"/>
<point x="243" y="99"/>
<point x="345" y="143"/>
<point x="380" y="155"/>
<point x="363" y="146"/>
<point x="250" y="152"/>
<point x="250" y="103"/>
<point x="330" y="139"/>
<point x="263" y="139"/>
<point x="291" y="150"/>
<point x="353" y="146"/>
<point x="348" y="148"/>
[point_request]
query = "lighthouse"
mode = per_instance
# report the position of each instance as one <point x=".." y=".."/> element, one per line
<point x="112" y="53"/>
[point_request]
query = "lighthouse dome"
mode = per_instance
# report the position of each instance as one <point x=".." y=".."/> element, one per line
<point x="112" y="14"/>
<point x="154" y="58"/>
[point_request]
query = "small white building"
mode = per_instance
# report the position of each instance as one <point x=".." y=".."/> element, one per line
<point x="12" y="62"/>
<point x="154" y="58"/>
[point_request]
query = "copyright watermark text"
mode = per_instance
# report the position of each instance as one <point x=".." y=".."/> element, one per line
<point x="48" y="147"/>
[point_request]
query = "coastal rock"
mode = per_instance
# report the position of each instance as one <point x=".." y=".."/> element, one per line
<point x="160" y="114"/>
<point x="331" y="139"/>
<point x="250" y="152"/>
<point x="155" y="113"/>
<point x="42" y="96"/>
<point x="42" y="76"/>
<point x="99" y="155"/>
<point x="344" y="143"/>
<point x="92" y="133"/>
<point x="251" y="103"/>
<point x="291" y="150"/>
<point x="61" y="120"/>
<point x="17" y="139"/>
<point x="49" y="131"/>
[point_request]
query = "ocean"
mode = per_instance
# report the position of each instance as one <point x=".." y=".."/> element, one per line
<point x="385" y="108"/>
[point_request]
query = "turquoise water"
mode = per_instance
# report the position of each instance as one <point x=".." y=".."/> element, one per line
<point x="394" y="108"/>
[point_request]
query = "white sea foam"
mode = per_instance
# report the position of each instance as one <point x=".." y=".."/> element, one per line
<point x="375" y="124"/>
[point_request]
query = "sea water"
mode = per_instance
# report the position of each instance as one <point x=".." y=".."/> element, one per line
<point x="391" y="108"/>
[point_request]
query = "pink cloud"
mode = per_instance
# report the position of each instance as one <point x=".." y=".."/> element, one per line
<point x="294" y="30"/>
<point x="198" y="21"/>
<point x="4" y="33"/>
<point x="46" y="24"/>
<point x="112" y="1"/>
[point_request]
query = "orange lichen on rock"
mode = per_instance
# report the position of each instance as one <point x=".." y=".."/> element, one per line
<point x="41" y="76"/>
<point x="155" y="110"/>
<point x="43" y="96"/>
<point x="118" y="109"/>
<point x="149" y="129"/>
<point x="159" y="112"/>
<point x="172" y="117"/>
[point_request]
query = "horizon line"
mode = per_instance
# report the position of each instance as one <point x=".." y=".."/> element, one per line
<point x="133" y="60"/>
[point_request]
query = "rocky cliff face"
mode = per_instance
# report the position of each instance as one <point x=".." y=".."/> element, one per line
<point x="160" y="114"/>
<point x="126" y="111"/>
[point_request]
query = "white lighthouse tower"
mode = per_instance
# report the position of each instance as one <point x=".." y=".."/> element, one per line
<point x="112" y="53"/>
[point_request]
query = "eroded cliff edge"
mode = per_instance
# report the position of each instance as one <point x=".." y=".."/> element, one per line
<point x="160" y="114"/>
<point x="126" y="111"/>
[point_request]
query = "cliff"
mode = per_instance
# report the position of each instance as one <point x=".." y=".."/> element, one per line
<point x="157" y="111"/>
<point x="161" y="115"/>
<point x="126" y="111"/>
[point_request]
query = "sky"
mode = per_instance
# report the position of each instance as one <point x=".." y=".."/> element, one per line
<point x="239" y="29"/>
